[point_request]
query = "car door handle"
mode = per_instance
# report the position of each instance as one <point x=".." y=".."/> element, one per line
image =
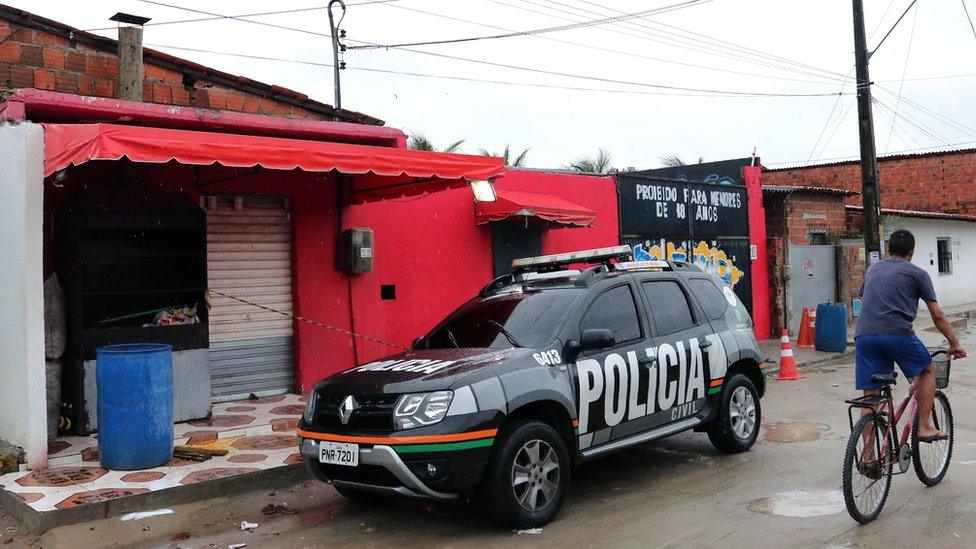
<point x="648" y="361"/>
<point x="705" y="344"/>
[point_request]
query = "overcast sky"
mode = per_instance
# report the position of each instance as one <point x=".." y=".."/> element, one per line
<point x="703" y="46"/>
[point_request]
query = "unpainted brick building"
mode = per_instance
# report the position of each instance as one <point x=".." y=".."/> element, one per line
<point x="941" y="181"/>
<point x="40" y="53"/>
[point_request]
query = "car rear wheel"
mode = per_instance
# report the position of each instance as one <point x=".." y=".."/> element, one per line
<point x="737" y="424"/>
<point x="528" y="475"/>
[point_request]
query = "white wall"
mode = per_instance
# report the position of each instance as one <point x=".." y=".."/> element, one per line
<point x="953" y="289"/>
<point x="23" y="413"/>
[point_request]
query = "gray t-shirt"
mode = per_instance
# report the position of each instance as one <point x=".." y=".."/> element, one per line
<point x="892" y="288"/>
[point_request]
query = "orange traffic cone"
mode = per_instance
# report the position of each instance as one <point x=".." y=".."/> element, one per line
<point x="808" y="329"/>
<point x="787" y="364"/>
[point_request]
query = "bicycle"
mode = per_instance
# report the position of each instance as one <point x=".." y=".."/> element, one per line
<point x="867" y="478"/>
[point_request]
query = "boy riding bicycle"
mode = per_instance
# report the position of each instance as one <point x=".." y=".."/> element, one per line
<point x="884" y="334"/>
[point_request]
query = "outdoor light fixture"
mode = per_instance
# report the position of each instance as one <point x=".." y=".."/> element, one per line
<point x="483" y="191"/>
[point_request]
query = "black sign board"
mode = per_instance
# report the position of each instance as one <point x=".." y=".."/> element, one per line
<point x="680" y="209"/>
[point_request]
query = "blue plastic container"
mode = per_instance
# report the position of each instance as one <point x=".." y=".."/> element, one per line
<point x="831" y="328"/>
<point x="135" y="405"/>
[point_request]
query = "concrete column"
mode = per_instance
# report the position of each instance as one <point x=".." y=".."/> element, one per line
<point x="130" y="64"/>
<point x="23" y="392"/>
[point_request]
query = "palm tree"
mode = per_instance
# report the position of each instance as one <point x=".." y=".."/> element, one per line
<point x="516" y="162"/>
<point x="673" y="161"/>
<point x="600" y="165"/>
<point x="420" y="142"/>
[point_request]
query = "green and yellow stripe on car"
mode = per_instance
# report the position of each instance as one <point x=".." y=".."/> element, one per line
<point x="715" y="386"/>
<point x="416" y="443"/>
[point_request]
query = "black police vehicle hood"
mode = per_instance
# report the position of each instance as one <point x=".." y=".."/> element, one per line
<point x="418" y="371"/>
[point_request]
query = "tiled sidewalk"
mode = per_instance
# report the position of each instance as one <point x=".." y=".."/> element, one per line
<point x="258" y="434"/>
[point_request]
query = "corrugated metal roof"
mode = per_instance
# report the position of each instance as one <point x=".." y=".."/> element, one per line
<point x="787" y="189"/>
<point x="916" y="213"/>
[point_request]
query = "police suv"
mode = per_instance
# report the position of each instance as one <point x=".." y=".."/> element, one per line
<point x="546" y="368"/>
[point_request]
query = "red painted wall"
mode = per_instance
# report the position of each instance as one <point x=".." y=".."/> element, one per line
<point x="431" y="249"/>
<point x="757" y="238"/>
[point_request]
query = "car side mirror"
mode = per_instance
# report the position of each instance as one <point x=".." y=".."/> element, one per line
<point x="597" y="338"/>
<point x="417" y="343"/>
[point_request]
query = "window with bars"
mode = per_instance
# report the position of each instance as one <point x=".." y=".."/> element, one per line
<point x="944" y="250"/>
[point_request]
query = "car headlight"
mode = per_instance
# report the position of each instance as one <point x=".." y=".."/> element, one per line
<point x="419" y="409"/>
<point x="309" y="415"/>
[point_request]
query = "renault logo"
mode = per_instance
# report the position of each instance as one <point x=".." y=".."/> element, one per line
<point x="346" y="409"/>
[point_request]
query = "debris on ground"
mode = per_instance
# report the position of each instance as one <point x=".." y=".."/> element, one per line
<point x="245" y="525"/>
<point x="272" y="509"/>
<point x="181" y="536"/>
<point x="146" y="514"/>
<point x="201" y="450"/>
<point x="534" y="531"/>
<point x="236" y="545"/>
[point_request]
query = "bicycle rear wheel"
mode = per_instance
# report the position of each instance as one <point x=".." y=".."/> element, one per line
<point x="931" y="459"/>
<point x="867" y="479"/>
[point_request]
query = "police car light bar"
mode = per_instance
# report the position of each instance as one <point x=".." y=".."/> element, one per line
<point x="597" y="255"/>
<point x="656" y="265"/>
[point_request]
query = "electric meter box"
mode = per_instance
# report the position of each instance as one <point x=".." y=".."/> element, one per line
<point x="356" y="250"/>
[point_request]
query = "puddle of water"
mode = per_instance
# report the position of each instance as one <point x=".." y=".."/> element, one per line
<point x="789" y="432"/>
<point x="800" y="503"/>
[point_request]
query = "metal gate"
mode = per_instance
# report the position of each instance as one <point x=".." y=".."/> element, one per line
<point x="249" y="257"/>
<point x="813" y="280"/>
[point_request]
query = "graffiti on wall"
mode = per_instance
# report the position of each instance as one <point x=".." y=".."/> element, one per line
<point x="707" y="256"/>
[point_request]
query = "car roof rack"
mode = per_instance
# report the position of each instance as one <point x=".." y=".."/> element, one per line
<point x="553" y="262"/>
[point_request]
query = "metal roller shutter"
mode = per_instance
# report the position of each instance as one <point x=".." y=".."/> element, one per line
<point x="249" y="257"/>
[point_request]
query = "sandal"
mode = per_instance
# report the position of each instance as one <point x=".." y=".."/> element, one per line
<point x="934" y="438"/>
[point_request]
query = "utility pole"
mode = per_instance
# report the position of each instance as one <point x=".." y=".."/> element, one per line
<point x="336" y="46"/>
<point x="870" y="193"/>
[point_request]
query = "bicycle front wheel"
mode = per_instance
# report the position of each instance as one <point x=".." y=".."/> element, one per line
<point x="867" y="469"/>
<point x="931" y="459"/>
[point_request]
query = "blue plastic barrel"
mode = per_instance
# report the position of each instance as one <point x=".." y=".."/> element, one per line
<point x="831" y="328"/>
<point x="135" y="405"/>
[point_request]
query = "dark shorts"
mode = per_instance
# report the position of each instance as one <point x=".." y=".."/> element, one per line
<point x="877" y="354"/>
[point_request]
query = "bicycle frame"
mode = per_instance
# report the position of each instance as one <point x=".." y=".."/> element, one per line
<point x="885" y="402"/>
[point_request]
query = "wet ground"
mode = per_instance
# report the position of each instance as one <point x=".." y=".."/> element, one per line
<point x="676" y="492"/>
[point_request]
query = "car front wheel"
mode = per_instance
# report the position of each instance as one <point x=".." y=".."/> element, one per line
<point x="737" y="424"/>
<point x="528" y="475"/>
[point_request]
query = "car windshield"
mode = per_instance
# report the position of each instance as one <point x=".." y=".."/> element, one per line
<point x="520" y="319"/>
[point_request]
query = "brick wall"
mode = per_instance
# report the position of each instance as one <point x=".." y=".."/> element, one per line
<point x="851" y="267"/>
<point x="938" y="182"/>
<point x="777" y="261"/>
<point x="805" y="212"/>
<point x="33" y="58"/>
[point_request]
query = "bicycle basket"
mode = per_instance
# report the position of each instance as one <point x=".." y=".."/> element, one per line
<point x="942" y="367"/>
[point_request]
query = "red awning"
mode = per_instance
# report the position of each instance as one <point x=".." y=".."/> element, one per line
<point x="525" y="204"/>
<point x="377" y="172"/>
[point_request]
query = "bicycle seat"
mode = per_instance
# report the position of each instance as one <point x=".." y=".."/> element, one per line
<point x="884" y="379"/>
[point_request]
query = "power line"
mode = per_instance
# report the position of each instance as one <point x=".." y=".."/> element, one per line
<point x="955" y="124"/>
<point x="968" y="18"/>
<point x="545" y="30"/>
<point x="904" y="13"/>
<point x="543" y="71"/>
<point x="904" y="71"/>
<point x="451" y="77"/>
<point x="830" y="116"/>
<point x="608" y="50"/>
<point x="243" y="15"/>
<point x="653" y="35"/>
<point x="704" y="37"/>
